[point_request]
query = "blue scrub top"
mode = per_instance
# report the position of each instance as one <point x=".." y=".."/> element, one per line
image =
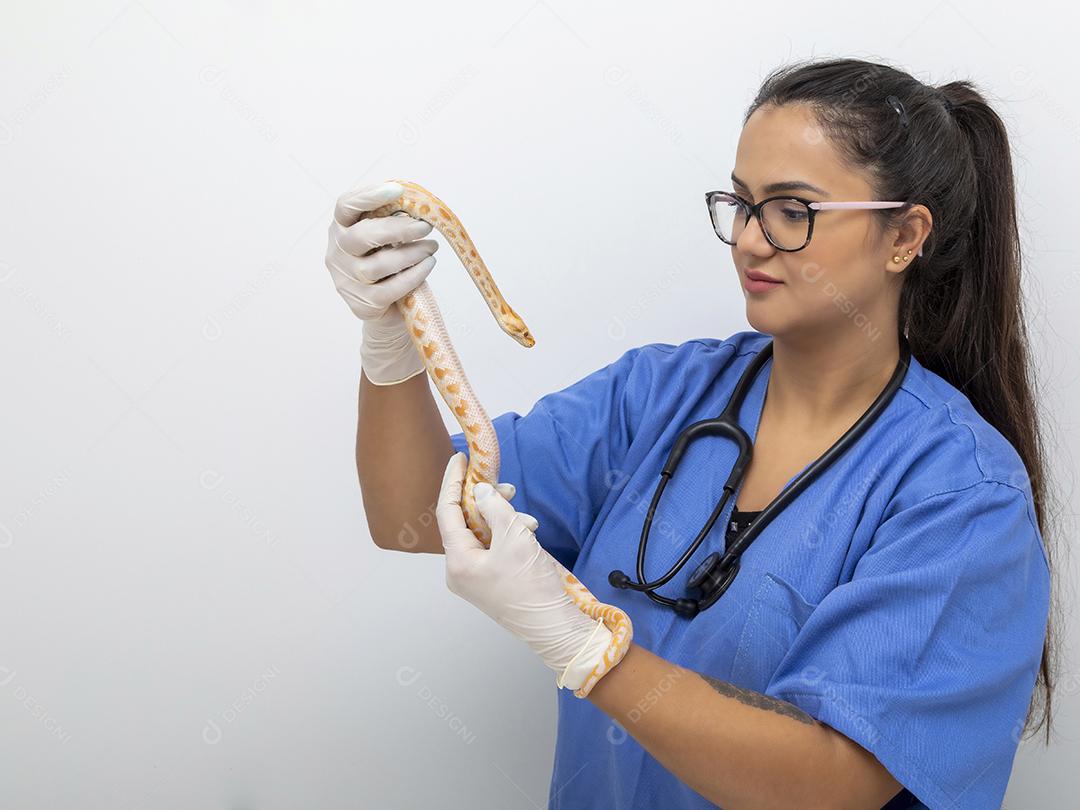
<point x="902" y="598"/>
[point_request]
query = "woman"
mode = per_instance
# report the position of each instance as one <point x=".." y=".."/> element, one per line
<point x="881" y="641"/>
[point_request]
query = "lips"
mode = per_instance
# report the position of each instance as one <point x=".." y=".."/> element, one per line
<point x="758" y="276"/>
<point x="755" y="282"/>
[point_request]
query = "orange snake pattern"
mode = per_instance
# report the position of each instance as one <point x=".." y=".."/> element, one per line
<point x="432" y="341"/>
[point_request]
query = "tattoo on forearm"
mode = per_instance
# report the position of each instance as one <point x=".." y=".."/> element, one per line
<point x="758" y="700"/>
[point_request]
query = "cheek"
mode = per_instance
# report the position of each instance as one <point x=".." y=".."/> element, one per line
<point x="806" y="273"/>
<point x="810" y="281"/>
<point x="817" y="279"/>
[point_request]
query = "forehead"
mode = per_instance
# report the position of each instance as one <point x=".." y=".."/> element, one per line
<point x="786" y="143"/>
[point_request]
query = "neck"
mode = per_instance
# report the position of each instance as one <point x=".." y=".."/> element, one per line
<point x="818" y="382"/>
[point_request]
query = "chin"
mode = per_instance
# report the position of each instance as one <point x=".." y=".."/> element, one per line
<point x="759" y="317"/>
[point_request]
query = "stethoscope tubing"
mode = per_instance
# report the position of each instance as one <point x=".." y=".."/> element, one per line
<point x="727" y="425"/>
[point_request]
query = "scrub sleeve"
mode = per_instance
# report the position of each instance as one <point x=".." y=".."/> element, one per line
<point x="564" y="454"/>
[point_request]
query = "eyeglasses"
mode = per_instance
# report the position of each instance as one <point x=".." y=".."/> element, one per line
<point x="787" y="222"/>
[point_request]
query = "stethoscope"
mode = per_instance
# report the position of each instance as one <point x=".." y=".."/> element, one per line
<point x="716" y="572"/>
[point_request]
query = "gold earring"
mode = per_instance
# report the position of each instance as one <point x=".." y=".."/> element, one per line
<point x="896" y="259"/>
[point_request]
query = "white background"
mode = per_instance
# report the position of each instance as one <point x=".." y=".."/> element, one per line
<point x="192" y="612"/>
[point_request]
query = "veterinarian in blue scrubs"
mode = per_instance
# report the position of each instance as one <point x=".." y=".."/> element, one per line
<point x="901" y="598"/>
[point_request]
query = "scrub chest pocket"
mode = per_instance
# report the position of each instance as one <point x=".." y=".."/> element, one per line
<point x="774" y="617"/>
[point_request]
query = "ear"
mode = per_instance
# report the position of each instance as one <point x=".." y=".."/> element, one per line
<point x="910" y="236"/>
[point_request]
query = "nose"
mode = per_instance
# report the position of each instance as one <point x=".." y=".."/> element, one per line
<point x="753" y="240"/>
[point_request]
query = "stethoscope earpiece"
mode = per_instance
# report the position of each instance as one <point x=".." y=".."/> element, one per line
<point x="686" y="607"/>
<point x="618" y="579"/>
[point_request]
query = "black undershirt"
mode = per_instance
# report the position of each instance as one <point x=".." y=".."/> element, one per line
<point x="737" y="524"/>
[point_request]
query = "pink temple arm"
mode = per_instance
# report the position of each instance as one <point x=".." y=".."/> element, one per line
<point x="826" y="206"/>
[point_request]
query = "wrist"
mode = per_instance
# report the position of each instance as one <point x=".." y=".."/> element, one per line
<point x="578" y="650"/>
<point x="618" y="635"/>
<point x="586" y="659"/>
<point x="387" y="353"/>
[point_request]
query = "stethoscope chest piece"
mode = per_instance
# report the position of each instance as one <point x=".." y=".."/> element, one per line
<point x="712" y="578"/>
<point x="710" y="573"/>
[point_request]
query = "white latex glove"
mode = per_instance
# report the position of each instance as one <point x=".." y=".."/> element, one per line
<point x="371" y="277"/>
<point x="515" y="581"/>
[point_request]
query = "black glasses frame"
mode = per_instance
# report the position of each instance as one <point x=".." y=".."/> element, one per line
<point x="754" y="210"/>
<point x="812" y="206"/>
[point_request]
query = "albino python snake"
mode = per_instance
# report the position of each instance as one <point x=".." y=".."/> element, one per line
<point x="430" y="337"/>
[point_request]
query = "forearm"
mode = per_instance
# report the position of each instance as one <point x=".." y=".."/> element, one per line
<point x="738" y="748"/>
<point x="402" y="447"/>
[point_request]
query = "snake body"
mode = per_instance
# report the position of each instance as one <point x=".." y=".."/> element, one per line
<point x="432" y="341"/>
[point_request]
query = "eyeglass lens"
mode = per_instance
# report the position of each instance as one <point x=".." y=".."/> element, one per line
<point x="786" y="222"/>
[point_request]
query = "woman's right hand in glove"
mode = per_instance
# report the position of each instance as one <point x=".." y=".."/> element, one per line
<point x="374" y="262"/>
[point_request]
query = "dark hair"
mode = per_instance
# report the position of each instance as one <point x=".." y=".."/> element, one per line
<point x="960" y="303"/>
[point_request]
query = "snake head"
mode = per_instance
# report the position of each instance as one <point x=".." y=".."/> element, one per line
<point x="512" y="324"/>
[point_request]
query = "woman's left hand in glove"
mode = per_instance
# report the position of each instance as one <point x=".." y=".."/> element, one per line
<point x="515" y="580"/>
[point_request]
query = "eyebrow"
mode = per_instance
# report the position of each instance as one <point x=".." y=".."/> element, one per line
<point x="786" y="185"/>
